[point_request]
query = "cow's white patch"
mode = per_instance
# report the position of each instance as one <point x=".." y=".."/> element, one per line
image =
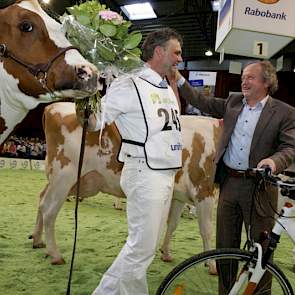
<point x="14" y="104"/>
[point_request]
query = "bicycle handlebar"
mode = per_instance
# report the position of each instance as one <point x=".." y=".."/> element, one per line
<point x="287" y="186"/>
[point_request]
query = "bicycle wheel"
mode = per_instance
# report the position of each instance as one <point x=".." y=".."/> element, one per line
<point x="192" y="278"/>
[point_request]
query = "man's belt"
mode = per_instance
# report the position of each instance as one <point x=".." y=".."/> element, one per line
<point x="235" y="173"/>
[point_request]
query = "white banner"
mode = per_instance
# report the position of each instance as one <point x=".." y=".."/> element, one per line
<point x="15" y="163"/>
<point x="205" y="82"/>
<point x="203" y="78"/>
<point x="38" y="164"/>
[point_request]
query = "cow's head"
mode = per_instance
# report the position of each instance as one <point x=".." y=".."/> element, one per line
<point x="36" y="62"/>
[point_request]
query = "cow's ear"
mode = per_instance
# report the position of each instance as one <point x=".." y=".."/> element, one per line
<point x="5" y="3"/>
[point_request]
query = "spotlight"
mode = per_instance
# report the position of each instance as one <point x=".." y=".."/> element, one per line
<point x="216" y="4"/>
<point x="209" y="52"/>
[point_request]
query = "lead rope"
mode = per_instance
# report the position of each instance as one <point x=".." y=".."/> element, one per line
<point x="82" y="148"/>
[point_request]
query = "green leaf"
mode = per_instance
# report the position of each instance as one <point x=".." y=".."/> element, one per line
<point x="136" y="51"/>
<point x="106" y="53"/>
<point x="83" y="19"/>
<point x="128" y="64"/>
<point x="96" y="22"/>
<point x="108" y="30"/>
<point x="132" y="41"/>
<point x="122" y="32"/>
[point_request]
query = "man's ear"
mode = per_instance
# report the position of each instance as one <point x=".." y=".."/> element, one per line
<point x="158" y="51"/>
<point x="266" y="86"/>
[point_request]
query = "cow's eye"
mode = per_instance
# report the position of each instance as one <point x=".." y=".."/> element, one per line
<point x="26" y="26"/>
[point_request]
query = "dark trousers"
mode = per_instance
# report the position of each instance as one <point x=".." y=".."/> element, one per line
<point x="234" y="210"/>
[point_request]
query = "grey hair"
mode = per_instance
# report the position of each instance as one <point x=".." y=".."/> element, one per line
<point x="158" y="38"/>
<point x="269" y="75"/>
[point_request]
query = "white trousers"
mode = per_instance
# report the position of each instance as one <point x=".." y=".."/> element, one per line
<point x="149" y="194"/>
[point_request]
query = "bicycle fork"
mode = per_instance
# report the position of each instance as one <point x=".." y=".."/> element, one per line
<point x="256" y="273"/>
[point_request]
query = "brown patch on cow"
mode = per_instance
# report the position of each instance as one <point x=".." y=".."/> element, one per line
<point x="3" y="127"/>
<point x="204" y="187"/>
<point x="110" y="144"/>
<point x="114" y="164"/>
<point x="185" y="156"/>
<point x="91" y="183"/>
<point x="64" y="161"/>
<point x="54" y="138"/>
<point x="71" y="122"/>
<point x="92" y="138"/>
<point x="217" y="131"/>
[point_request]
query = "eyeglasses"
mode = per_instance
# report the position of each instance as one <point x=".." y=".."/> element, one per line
<point x="247" y="78"/>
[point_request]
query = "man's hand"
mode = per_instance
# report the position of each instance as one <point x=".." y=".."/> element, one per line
<point x="268" y="162"/>
<point x="92" y="122"/>
<point x="173" y="76"/>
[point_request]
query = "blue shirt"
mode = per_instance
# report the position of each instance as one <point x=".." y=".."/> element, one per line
<point x="237" y="153"/>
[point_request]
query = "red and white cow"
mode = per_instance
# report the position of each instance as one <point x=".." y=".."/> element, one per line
<point x="101" y="171"/>
<point x="37" y="63"/>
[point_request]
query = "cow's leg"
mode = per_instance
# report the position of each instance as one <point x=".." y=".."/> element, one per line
<point x="50" y="206"/>
<point x="118" y="204"/>
<point x="38" y="231"/>
<point x="205" y="219"/>
<point x="172" y="222"/>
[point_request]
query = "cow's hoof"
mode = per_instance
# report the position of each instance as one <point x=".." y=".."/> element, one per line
<point x="212" y="269"/>
<point x="166" y="257"/>
<point x="57" y="261"/>
<point x="39" y="245"/>
<point x="117" y="207"/>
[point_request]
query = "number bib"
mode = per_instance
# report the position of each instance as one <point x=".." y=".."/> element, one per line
<point x="163" y="143"/>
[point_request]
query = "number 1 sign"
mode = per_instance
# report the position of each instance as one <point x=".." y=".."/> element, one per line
<point x="260" y="48"/>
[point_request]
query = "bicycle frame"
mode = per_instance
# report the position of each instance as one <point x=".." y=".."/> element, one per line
<point x="284" y="222"/>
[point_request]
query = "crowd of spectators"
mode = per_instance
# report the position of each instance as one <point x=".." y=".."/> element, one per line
<point x="24" y="147"/>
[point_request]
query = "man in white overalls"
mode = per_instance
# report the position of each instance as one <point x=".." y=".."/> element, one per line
<point x="146" y="112"/>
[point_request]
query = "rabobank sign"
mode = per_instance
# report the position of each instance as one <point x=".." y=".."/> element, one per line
<point x="265" y="13"/>
<point x="257" y="28"/>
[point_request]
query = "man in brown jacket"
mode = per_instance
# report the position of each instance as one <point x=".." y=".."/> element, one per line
<point x="258" y="130"/>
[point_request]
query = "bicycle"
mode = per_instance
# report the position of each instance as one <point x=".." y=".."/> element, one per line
<point x="249" y="266"/>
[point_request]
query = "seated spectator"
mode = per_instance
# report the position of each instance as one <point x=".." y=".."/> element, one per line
<point x="21" y="149"/>
<point x="12" y="149"/>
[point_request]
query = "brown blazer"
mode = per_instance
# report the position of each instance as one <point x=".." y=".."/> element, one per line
<point x="274" y="135"/>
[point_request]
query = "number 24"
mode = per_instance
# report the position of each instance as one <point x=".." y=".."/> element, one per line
<point x="168" y="124"/>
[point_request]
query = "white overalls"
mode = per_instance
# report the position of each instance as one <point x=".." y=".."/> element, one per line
<point x="151" y="151"/>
